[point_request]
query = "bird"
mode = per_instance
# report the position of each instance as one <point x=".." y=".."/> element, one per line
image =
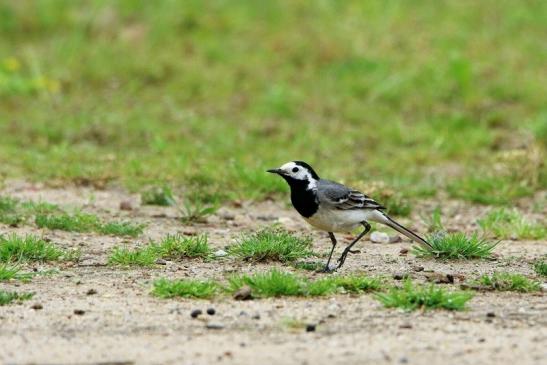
<point x="333" y="207"/>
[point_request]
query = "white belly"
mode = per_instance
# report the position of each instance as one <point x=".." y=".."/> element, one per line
<point x="334" y="220"/>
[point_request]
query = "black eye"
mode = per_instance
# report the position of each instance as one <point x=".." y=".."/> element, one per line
<point x="295" y="169"/>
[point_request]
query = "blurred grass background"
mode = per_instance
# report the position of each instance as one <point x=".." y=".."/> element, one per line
<point x="417" y="96"/>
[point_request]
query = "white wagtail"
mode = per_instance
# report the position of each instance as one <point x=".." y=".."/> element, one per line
<point x="333" y="207"/>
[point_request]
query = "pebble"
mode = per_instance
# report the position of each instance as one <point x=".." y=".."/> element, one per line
<point x="79" y="312"/>
<point x="403" y="252"/>
<point x="221" y="253"/>
<point x="126" y="205"/>
<point x="406" y="325"/>
<point x="91" y="292"/>
<point x="310" y="327"/>
<point x="161" y="262"/>
<point x="418" y="268"/>
<point x="37" y="306"/>
<point x="244" y="293"/>
<point x="379" y="237"/>
<point x="214" y="326"/>
<point x="256" y="316"/>
<point x="490" y="314"/>
<point x="395" y="239"/>
<point x="211" y="311"/>
<point x="195" y="313"/>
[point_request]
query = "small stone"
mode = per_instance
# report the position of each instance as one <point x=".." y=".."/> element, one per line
<point x="403" y="360"/>
<point x="256" y="316"/>
<point x="91" y="292"/>
<point x="195" y="313"/>
<point x="400" y="276"/>
<point x="418" y="268"/>
<point x="79" y="312"/>
<point x="482" y="339"/>
<point x="214" y="326"/>
<point x="244" y="293"/>
<point x="228" y="216"/>
<point x="490" y="314"/>
<point x="211" y="311"/>
<point x="379" y="237"/>
<point x="406" y="326"/>
<point x="310" y="327"/>
<point x="37" y="306"/>
<point x="161" y="262"/>
<point x="221" y="253"/>
<point x="126" y="205"/>
<point x="403" y="252"/>
<point x="395" y="239"/>
<point x="439" y="278"/>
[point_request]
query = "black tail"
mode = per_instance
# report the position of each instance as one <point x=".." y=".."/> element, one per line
<point x="405" y="231"/>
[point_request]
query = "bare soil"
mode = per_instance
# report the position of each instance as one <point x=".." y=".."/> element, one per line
<point x="123" y="324"/>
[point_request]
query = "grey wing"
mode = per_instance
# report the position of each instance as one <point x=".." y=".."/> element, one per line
<point x="341" y="197"/>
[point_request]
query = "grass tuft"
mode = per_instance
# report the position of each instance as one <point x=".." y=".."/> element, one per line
<point x="178" y="246"/>
<point x="503" y="281"/>
<point x="78" y="222"/>
<point x="272" y="244"/>
<point x="540" y="267"/>
<point x="510" y="223"/>
<point x="9" y="297"/>
<point x="171" y="247"/>
<point x="145" y="256"/>
<point x="8" y="272"/>
<point x="412" y="297"/>
<point x="196" y="211"/>
<point x="359" y="284"/>
<point x="82" y="222"/>
<point x="14" y="248"/>
<point x="121" y="229"/>
<point x="165" y="288"/>
<point x="275" y="283"/>
<point x="162" y="196"/>
<point x="456" y="246"/>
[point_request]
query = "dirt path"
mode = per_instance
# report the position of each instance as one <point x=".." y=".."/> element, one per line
<point x="121" y="323"/>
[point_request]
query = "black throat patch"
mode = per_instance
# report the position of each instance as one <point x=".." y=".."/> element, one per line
<point x="303" y="200"/>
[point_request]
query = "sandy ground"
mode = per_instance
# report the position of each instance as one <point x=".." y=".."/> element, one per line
<point x="122" y="324"/>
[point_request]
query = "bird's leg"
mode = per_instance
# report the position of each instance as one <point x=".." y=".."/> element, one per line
<point x="342" y="258"/>
<point x="333" y="240"/>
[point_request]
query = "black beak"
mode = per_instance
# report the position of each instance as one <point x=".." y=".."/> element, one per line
<point x="275" y="171"/>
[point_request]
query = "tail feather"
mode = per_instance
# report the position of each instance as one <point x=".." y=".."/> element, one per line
<point x="385" y="219"/>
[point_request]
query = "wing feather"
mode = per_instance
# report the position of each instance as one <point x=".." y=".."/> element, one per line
<point x="341" y="197"/>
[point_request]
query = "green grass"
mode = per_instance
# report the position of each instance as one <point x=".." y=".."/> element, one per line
<point x="162" y="196"/>
<point x="505" y="224"/>
<point x="83" y="222"/>
<point x="172" y="247"/>
<point x="540" y="267"/>
<point x="275" y="283"/>
<point x="207" y="108"/>
<point x="359" y="284"/>
<point x="7" y="297"/>
<point x="413" y="297"/>
<point x="14" y="212"/>
<point x="503" y="281"/>
<point x="14" y="248"/>
<point x="196" y="211"/>
<point x="77" y="222"/>
<point x="165" y="288"/>
<point x="178" y="246"/>
<point x="9" y="272"/>
<point x="272" y="244"/>
<point x="456" y="246"/>
<point x="121" y="229"/>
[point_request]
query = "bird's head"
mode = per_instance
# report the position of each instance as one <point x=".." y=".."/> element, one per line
<point x="295" y="171"/>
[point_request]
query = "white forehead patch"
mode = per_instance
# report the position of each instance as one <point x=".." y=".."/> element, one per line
<point x="299" y="173"/>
